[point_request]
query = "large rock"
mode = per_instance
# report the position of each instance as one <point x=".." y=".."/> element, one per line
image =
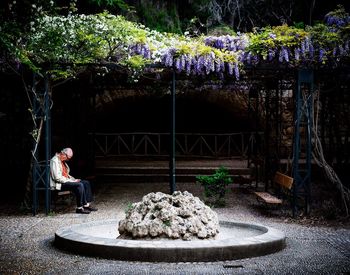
<point x="180" y="215"/>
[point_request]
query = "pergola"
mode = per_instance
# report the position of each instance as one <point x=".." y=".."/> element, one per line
<point x="303" y="96"/>
<point x="57" y="46"/>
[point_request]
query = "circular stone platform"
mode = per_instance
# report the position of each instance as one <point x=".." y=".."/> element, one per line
<point x="235" y="241"/>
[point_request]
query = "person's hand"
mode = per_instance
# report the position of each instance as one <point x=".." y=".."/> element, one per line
<point x="77" y="180"/>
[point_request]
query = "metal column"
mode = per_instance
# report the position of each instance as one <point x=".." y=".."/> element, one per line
<point x="302" y="145"/>
<point x="36" y="167"/>
<point x="47" y="120"/>
<point x="41" y="169"/>
<point x="172" y="166"/>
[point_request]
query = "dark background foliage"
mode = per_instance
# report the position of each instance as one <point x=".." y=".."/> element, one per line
<point x="186" y="15"/>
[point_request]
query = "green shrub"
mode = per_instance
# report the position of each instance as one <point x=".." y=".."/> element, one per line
<point x="215" y="186"/>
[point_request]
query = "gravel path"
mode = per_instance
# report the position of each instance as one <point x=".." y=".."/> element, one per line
<point x="26" y="241"/>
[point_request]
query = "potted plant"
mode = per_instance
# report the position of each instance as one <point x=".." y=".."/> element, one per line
<point x="215" y="186"/>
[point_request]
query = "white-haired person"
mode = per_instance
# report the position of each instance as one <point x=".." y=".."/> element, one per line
<point x="61" y="180"/>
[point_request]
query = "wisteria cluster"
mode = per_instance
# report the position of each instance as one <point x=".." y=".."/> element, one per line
<point x="306" y="51"/>
<point x="337" y="19"/>
<point x="203" y="64"/>
<point x="310" y="50"/>
<point x="140" y="49"/>
<point x="231" y="43"/>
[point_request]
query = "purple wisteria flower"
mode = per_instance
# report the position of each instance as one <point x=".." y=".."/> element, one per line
<point x="168" y="57"/>
<point x="283" y="55"/>
<point x="311" y="50"/>
<point x="346" y="47"/>
<point x="220" y="75"/>
<point x="230" y="68"/>
<point x="219" y="43"/>
<point x="236" y="71"/>
<point x="307" y="44"/>
<point x="182" y="62"/>
<point x="140" y="49"/>
<point x="188" y="64"/>
<point x="334" y="51"/>
<point x="280" y="56"/>
<point x="302" y="49"/>
<point x="336" y="21"/>
<point x="297" y="54"/>
<point x="212" y="62"/>
<point x="177" y="64"/>
<point x="271" y="54"/>
<point x="230" y="43"/>
<point x="322" y="53"/>
<point x="248" y="58"/>
<point x="222" y="66"/>
<point x="200" y="65"/>
<point x="255" y="59"/>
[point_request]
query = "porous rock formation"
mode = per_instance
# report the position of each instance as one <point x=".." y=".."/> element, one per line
<point x="180" y="215"/>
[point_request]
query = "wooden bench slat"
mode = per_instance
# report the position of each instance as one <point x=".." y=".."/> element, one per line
<point x="62" y="193"/>
<point x="268" y="198"/>
<point x="283" y="180"/>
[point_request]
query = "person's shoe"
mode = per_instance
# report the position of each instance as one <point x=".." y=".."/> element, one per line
<point x="82" y="211"/>
<point x="90" y="208"/>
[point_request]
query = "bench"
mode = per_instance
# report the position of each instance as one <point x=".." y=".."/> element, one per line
<point x="63" y="193"/>
<point x="66" y="195"/>
<point x="281" y="180"/>
<point x="62" y="196"/>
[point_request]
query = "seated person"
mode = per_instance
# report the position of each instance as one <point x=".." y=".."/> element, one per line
<point x="61" y="180"/>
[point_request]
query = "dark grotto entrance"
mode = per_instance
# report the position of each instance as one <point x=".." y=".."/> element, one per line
<point x="194" y="114"/>
<point x="209" y="123"/>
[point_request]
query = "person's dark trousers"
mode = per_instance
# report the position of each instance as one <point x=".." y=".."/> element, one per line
<point x="81" y="190"/>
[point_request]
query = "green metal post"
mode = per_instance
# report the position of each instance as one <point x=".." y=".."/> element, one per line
<point x="41" y="169"/>
<point x="35" y="174"/>
<point x="38" y="169"/>
<point x="172" y="137"/>
<point x="47" y="146"/>
<point x="303" y="113"/>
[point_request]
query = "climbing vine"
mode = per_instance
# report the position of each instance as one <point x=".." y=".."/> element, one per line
<point x="59" y="44"/>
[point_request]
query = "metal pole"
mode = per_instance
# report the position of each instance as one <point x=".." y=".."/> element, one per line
<point x="309" y="147"/>
<point x="296" y="145"/>
<point x="172" y="137"/>
<point x="47" y="146"/>
<point x="267" y="139"/>
<point x="35" y="166"/>
<point x="303" y="180"/>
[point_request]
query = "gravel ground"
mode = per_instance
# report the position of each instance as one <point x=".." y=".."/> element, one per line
<point x="26" y="242"/>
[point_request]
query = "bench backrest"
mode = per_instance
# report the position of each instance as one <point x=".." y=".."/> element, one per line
<point x="283" y="180"/>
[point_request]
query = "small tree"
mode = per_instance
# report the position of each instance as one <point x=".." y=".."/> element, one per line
<point x="215" y="186"/>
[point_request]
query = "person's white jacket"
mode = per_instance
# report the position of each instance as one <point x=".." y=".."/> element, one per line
<point x="57" y="178"/>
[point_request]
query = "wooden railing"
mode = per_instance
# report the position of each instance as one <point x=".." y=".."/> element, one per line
<point x="231" y="145"/>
